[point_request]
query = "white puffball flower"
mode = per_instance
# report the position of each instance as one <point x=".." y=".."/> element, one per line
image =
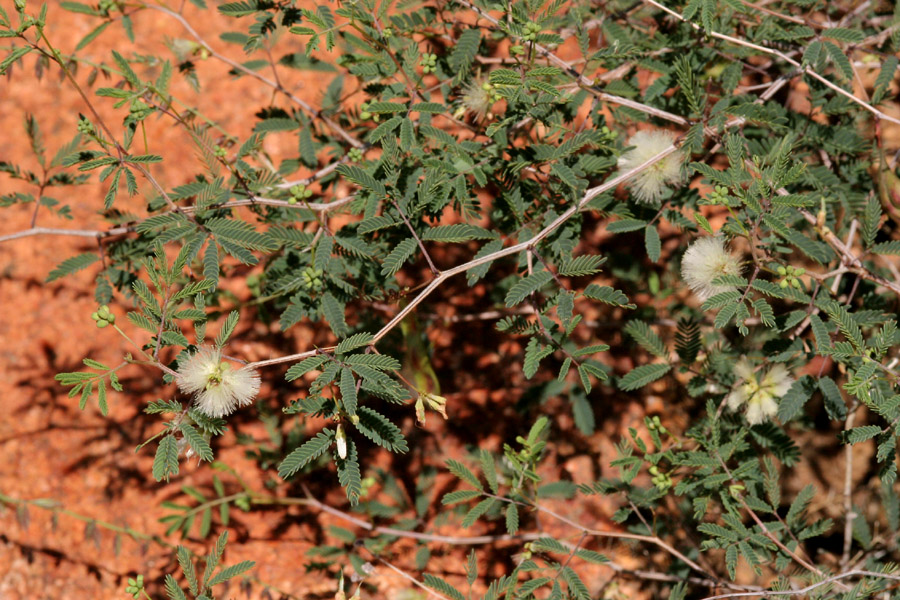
<point x="218" y="388"/>
<point x="477" y="99"/>
<point x="706" y="260"/>
<point x="760" y="391"/>
<point x="648" y="185"/>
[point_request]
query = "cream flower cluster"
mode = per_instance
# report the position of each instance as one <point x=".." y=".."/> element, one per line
<point x="704" y="261"/>
<point x="648" y="185"/>
<point x="760" y="391"/>
<point x="218" y="388"/>
<point x="477" y="99"/>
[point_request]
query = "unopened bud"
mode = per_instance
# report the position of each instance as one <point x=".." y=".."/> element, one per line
<point x="340" y="439"/>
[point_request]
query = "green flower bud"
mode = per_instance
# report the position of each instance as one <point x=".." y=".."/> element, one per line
<point x="781" y="270"/>
<point x="101" y="323"/>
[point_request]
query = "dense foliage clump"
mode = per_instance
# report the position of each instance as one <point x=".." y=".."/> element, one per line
<point x="688" y="208"/>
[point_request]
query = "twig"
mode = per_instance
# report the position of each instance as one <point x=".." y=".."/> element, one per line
<point x="807" y="589"/>
<point x="86" y="233"/>
<point x="412" y="230"/>
<point x="849" y="514"/>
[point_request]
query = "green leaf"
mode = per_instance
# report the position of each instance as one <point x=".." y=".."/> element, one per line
<point x="647" y="338"/>
<point x="860" y="434"/>
<point x="227" y="328"/>
<point x="439" y="585"/>
<point x="276" y="124"/>
<point x="534" y="353"/>
<point x="583" y="414"/>
<point x="90" y="37"/>
<point x="398" y="256"/>
<point x="587" y="264"/>
<point x="703" y="223"/>
<point x="198" y="444"/>
<point x="324" y="249"/>
<point x="166" y="461"/>
<point x="460" y="232"/>
<point x="489" y="469"/>
<point x="565" y="174"/>
<point x="232" y="571"/>
<point x="885" y="77"/>
<point x="465" y="50"/>
<point x="641" y="376"/>
<point x="804" y="497"/>
<point x="347" y="385"/>
<point x="380" y="430"/>
<point x="304" y="366"/>
<point x="386" y="107"/>
<point x="795" y="398"/>
<point x="130" y="76"/>
<point x="840" y="60"/>
<point x="481" y="270"/>
<point x="834" y="401"/>
<point x="459" y="496"/>
<point x="357" y="340"/>
<point x="577" y="588"/>
<point x="173" y="591"/>
<point x="239" y="9"/>
<point x="476" y="512"/>
<point x="309" y="451"/>
<point x="527" y="285"/>
<point x="512" y="519"/>
<point x="625" y="225"/>
<point x="13" y="57"/>
<point x="348" y="472"/>
<point x="463" y="472"/>
<point x="333" y="310"/>
<point x="892" y="247"/>
<point x="362" y="179"/>
<point x="375" y="361"/>
<point x="846" y="324"/>
<point x="843" y="34"/>
<point x="240" y="233"/>
<point x="652" y="243"/>
<point x="72" y="265"/>
<point x="608" y="295"/>
<point x="78" y="7"/>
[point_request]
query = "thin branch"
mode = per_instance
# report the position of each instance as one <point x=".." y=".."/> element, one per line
<point x="86" y="233"/>
<point x="849" y="513"/>
<point x="412" y="230"/>
<point x="807" y="589"/>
